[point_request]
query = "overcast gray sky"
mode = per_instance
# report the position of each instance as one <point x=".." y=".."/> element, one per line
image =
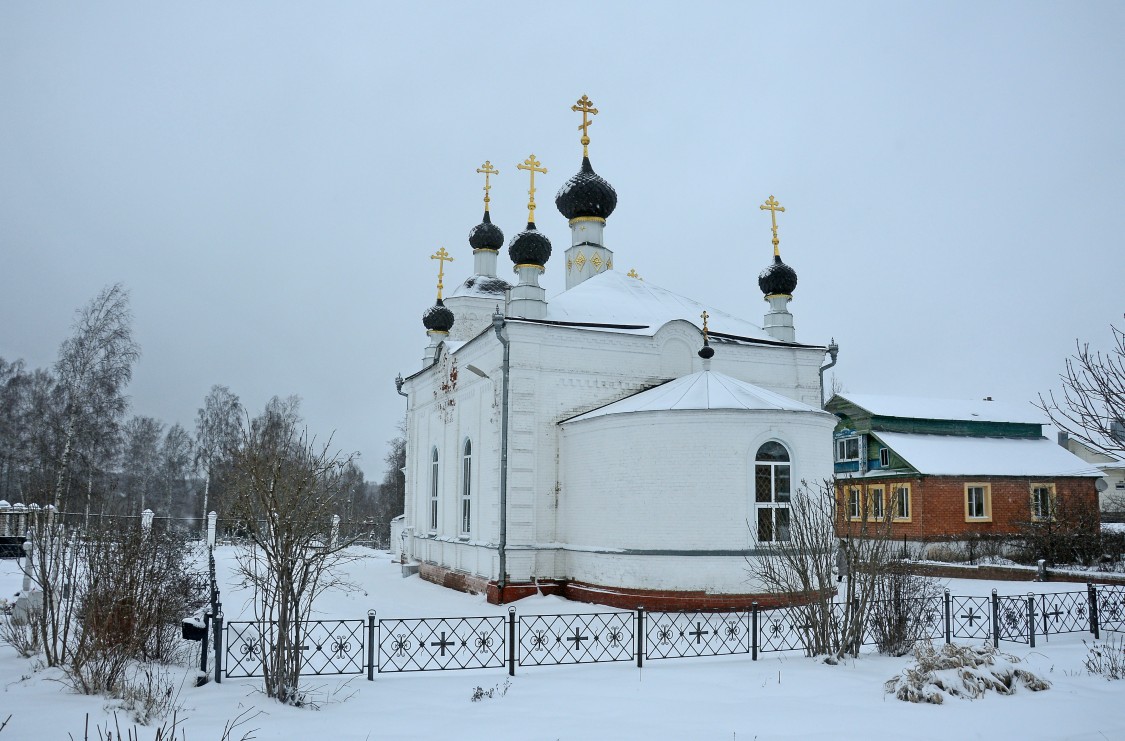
<point x="269" y="179"/>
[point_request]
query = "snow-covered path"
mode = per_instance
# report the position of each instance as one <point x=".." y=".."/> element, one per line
<point x="779" y="696"/>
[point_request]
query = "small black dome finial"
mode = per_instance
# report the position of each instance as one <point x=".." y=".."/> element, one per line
<point x="706" y="352"/>
<point x="778" y="279"/>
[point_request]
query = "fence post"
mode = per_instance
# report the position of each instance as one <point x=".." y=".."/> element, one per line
<point x="948" y="618"/>
<point x="212" y="517"/>
<point x="857" y="626"/>
<point x="1095" y="621"/>
<point x="640" y="637"/>
<point x="219" y="648"/>
<point x="754" y="631"/>
<point x="370" y="645"/>
<point x="995" y="620"/>
<point x="1031" y="620"/>
<point x="204" y="642"/>
<point x="511" y="641"/>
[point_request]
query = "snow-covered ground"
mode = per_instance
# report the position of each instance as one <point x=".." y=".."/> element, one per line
<point x="727" y="698"/>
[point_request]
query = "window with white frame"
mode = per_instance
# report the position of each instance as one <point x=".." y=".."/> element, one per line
<point x="901" y="501"/>
<point x="433" y="489"/>
<point x="847" y="449"/>
<point x="1042" y="501"/>
<point x="884" y="458"/>
<point x="772" y="491"/>
<point x="978" y="502"/>
<point x="854" y="512"/>
<point x="467" y="488"/>
<point x="876" y="502"/>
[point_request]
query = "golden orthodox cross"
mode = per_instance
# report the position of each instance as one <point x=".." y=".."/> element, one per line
<point x="773" y="207"/>
<point x="532" y="165"/>
<point x="705" y="316"/>
<point x="487" y="169"/>
<point x="586" y="106"/>
<point x="442" y="257"/>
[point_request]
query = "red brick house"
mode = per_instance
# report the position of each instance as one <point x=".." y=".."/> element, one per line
<point x="944" y="469"/>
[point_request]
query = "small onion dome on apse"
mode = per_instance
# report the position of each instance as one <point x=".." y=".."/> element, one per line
<point x="777" y="279"/>
<point x="486" y="235"/>
<point x="706" y="352"/>
<point x="586" y="194"/>
<point x="438" y="318"/>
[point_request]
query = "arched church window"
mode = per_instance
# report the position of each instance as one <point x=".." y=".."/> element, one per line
<point x="772" y="491"/>
<point x="467" y="488"/>
<point x="433" y="489"/>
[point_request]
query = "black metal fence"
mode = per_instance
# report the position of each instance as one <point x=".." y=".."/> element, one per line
<point x="344" y="647"/>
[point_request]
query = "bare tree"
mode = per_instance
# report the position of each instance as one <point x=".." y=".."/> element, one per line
<point x="176" y="452"/>
<point x="1092" y="407"/>
<point x="833" y="601"/>
<point x="141" y="464"/>
<point x="216" y="433"/>
<point x="287" y="489"/>
<point x="94" y="366"/>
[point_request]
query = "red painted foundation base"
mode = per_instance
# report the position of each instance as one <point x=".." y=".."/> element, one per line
<point x="620" y="597"/>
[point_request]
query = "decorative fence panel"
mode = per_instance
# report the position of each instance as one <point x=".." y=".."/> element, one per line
<point x="971" y="617"/>
<point x="1012" y="619"/>
<point x="1063" y="612"/>
<point x="327" y="647"/>
<point x="428" y="644"/>
<point x="674" y="635"/>
<point x="576" y="639"/>
<point x="1111" y="607"/>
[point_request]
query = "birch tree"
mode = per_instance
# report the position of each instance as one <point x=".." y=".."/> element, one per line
<point x="216" y="433"/>
<point x="94" y="366"/>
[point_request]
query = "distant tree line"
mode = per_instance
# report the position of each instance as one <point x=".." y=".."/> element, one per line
<point x="67" y="439"/>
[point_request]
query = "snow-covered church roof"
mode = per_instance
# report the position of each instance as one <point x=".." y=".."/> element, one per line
<point x="701" y="391"/>
<point x="955" y="455"/>
<point x="643" y="308"/>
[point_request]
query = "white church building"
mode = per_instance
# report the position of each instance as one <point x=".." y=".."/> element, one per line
<point x="617" y="443"/>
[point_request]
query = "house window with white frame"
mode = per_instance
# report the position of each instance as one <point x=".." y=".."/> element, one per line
<point x="1042" y="502"/>
<point x="772" y="491"/>
<point x="978" y="502"/>
<point x="876" y="502"/>
<point x="467" y="488"/>
<point x="901" y="500"/>
<point x="854" y="511"/>
<point x="433" y="489"/>
<point x="847" y="449"/>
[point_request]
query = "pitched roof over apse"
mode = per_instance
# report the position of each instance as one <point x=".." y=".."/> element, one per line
<point x="701" y="391"/>
<point x="907" y="407"/>
<point x="953" y="455"/>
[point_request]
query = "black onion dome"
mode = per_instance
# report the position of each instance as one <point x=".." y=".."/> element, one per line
<point x="778" y="278"/>
<point x="529" y="247"/>
<point x="586" y="194"/>
<point x="486" y="235"/>
<point x="438" y="318"/>
<point x="706" y="352"/>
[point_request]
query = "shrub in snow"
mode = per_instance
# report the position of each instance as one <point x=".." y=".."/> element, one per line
<point x="960" y="671"/>
<point x="1107" y="658"/>
<point x="499" y="690"/>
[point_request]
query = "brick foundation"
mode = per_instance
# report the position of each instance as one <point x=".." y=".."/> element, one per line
<point x="627" y="599"/>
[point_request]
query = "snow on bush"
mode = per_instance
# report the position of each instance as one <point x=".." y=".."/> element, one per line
<point x="960" y="671"/>
<point x="1108" y="658"/>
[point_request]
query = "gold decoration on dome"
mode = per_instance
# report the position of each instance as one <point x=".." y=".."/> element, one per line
<point x="773" y="207"/>
<point x="580" y="261"/>
<point x="487" y="169"/>
<point x="597" y="262"/>
<point x="569" y="265"/>
<point x="586" y="107"/>
<point x="532" y="165"/>
<point x="609" y="264"/>
<point x="705" y="316"/>
<point x="442" y="257"/>
<point x="633" y="274"/>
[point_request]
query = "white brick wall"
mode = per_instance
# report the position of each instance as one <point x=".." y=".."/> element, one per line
<point x="558" y="489"/>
